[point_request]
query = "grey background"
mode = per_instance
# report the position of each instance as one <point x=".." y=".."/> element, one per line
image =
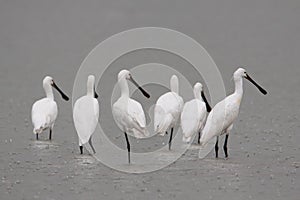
<point x="53" y="37"/>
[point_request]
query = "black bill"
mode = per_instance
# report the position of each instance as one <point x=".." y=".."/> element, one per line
<point x="140" y="88"/>
<point x="95" y="93"/>
<point x="63" y="95"/>
<point x="208" y="108"/>
<point x="254" y="83"/>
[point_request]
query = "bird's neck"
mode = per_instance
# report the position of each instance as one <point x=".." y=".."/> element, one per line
<point x="48" y="91"/>
<point x="90" y="89"/>
<point x="239" y="86"/>
<point x="174" y="85"/>
<point x="124" y="87"/>
<point x="197" y="95"/>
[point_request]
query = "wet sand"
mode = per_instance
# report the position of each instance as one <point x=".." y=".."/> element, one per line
<point x="39" y="38"/>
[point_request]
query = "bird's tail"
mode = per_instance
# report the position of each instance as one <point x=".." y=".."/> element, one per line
<point x="206" y="147"/>
<point x="140" y="133"/>
<point x="164" y="124"/>
<point x="38" y="130"/>
<point x="186" y="139"/>
<point x="40" y="124"/>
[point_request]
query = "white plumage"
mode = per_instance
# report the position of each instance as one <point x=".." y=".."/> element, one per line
<point x="168" y="109"/>
<point x="128" y="113"/>
<point x="86" y="114"/>
<point x="130" y="118"/>
<point x="221" y="118"/>
<point x="44" y="111"/>
<point x="193" y="115"/>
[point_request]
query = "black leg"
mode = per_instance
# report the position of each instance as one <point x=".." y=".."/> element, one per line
<point x="217" y="147"/>
<point x="37" y="136"/>
<point x="128" y="146"/>
<point x="166" y="132"/>
<point x="199" y="135"/>
<point x="91" y="144"/>
<point x="225" y="146"/>
<point x="81" y="149"/>
<point x="50" y="134"/>
<point x="170" y="140"/>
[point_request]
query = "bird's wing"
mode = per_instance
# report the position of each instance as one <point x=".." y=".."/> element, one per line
<point x="118" y="115"/>
<point x="162" y="120"/>
<point x="43" y="113"/>
<point x="136" y="112"/>
<point x="159" y="114"/>
<point x="85" y="116"/>
<point x="167" y="111"/>
<point x="170" y="102"/>
<point x="96" y="108"/>
<point x="220" y="118"/>
<point x="192" y="117"/>
<point x="213" y="125"/>
<point x="52" y="112"/>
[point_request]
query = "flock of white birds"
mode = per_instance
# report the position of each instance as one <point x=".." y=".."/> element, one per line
<point x="195" y="116"/>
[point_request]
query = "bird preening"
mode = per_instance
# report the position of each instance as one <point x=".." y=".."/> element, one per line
<point x="195" y="116"/>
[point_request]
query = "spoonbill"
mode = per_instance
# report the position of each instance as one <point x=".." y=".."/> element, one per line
<point x="44" y="111"/>
<point x="220" y="120"/>
<point x="86" y="115"/>
<point x="128" y="113"/>
<point x="168" y="109"/>
<point x="194" y="114"/>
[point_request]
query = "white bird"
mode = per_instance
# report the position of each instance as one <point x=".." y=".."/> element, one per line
<point x="86" y="115"/>
<point x="194" y="114"/>
<point x="220" y="120"/>
<point x="168" y="109"/>
<point x="44" y="111"/>
<point x="128" y="113"/>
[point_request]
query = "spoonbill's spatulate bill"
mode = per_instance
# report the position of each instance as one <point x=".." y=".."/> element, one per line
<point x="86" y="115"/>
<point x="128" y="113"/>
<point x="168" y="109"/>
<point x="193" y="115"/>
<point x="221" y="118"/>
<point x="44" y="111"/>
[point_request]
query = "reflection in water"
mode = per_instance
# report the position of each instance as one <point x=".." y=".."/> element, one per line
<point x="40" y="144"/>
<point x="84" y="160"/>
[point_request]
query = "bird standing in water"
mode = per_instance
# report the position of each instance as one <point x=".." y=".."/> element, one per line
<point x="86" y="115"/>
<point x="168" y="109"/>
<point x="128" y="113"/>
<point x="220" y="120"/>
<point x="194" y="114"/>
<point x="44" y="111"/>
